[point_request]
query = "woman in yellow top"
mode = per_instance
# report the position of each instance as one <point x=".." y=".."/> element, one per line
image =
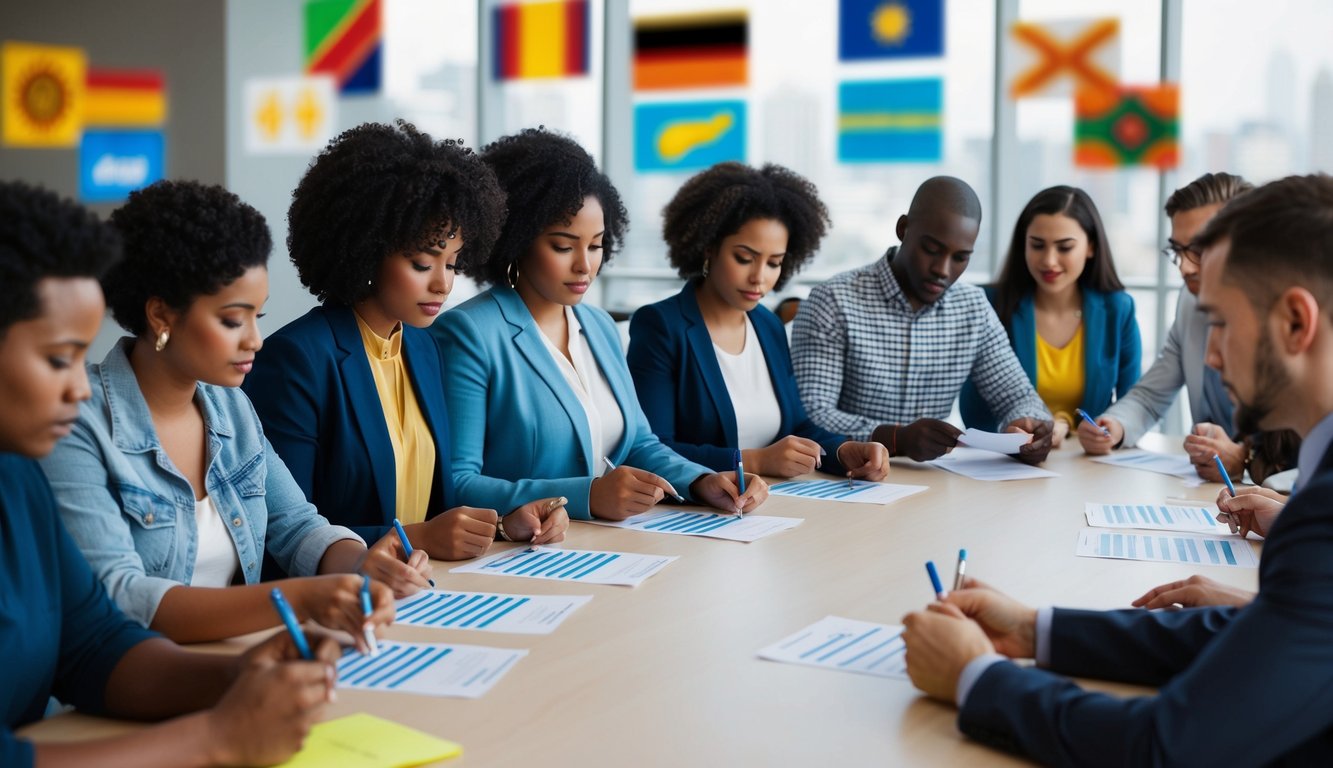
<point x="351" y="394"/>
<point x="1069" y="319"/>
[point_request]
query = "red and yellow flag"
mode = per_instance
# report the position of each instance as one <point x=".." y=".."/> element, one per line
<point x="42" y="95"/>
<point x="1127" y="126"/>
<point x="124" y="97"/>
<point x="541" y="40"/>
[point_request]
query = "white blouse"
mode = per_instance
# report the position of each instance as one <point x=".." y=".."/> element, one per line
<point x="215" y="559"/>
<point x="750" y="386"/>
<point x="606" y="424"/>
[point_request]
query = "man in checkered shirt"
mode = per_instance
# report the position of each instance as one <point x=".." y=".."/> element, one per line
<point x="881" y="352"/>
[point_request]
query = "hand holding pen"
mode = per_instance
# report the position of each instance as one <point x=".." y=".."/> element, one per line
<point x="1231" y="489"/>
<point x="624" y="491"/>
<point x="407" y="545"/>
<point x="543" y="521"/>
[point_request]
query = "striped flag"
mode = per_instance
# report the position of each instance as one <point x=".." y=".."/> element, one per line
<point x="703" y="50"/>
<point x="541" y="40"/>
<point x="1127" y="126"/>
<point x="886" y="121"/>
<point x="344" y="38"/>
<point x="123" y="97"/>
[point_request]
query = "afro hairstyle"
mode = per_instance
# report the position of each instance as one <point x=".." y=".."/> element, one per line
<point x="183" y="239"/>
<point x="385" y="190"/>
<point x="717" y="202"/>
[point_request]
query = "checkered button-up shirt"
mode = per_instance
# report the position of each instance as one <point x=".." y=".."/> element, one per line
<point x="864" y="357"/>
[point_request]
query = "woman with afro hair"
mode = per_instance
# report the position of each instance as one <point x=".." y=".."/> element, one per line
<point x="167" y="482"/>
<point x="350" y="393"/>
<point x="543" y="404"/>
<point x="711" y="363"/>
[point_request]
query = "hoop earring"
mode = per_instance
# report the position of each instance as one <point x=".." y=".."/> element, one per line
<point x="512" y="274"/>
<point x="705" y="269"/>
<point x="162" y="339"/>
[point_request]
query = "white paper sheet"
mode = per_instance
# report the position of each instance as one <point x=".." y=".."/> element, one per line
<point x="1174" y="464"/>
<point x="487" y="611"/>
<point x="462" y="671"/>
<point x="747" y="528"/>
<point x="988" y="465"/>
<point x="844" y="644"/>
<point x="998" y="442"/>
<point x="1154" y="517"/>
<point x="570" y="565"/>
<point x="859" y="491"/>
<point x="1232" y="552"/>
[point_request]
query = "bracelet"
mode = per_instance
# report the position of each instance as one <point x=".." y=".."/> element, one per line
<point x="500" y="529"/>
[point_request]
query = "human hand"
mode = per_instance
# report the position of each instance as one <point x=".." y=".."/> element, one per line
<point x="1193" y="592"/>
<point x="718" y="489"/>
<point x="1010" y="625"/>
<point x="384" y="563"/>
<point x="1059" y="434"/>
<point x="1094" y="442"/>
<point x="926" y="439"/>
<point x="940" y="642"/>
<point x="460" y="533"/>
<point x="543" y="521"/>
<point x="788" y="457"/>
<point x="626" y="491"/>
<point x="1251" y="509"/>
<point x="1038" y="448"/>
<point x="864" y="461"/>
<point x="1208" y="440"/>
<point x="334" y="601"/>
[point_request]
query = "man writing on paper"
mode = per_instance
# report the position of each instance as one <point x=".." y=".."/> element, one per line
<point x="1267" y="288"/>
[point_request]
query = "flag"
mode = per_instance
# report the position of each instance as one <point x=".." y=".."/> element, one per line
<point x="703" y="50"/>
<point x="1058" y="58"/>
<point x="541" y="40"/>
<point x="682" y="136"/>
<point x="42" y="95"/>
<point x="888" y="121"/>
<point x="890" y="29"/>
<point x="344" y="38"/>
<point x="112" y="164"/>
<point x="125" y="98"/>
<point x="293" y="115"/>
<point x="1129" y="126"/>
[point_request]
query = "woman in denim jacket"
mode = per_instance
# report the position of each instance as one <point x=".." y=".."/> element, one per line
<point x="167" y="483"/>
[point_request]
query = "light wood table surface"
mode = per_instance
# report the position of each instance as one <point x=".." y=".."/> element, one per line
<point x="667" y="673"/>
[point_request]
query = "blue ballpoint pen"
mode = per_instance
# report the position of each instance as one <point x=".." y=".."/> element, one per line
<point x="740" y="476"/>
<point x="368" y="630"/>
<point x="1084" y="415"/>
<point x="1222" y="468"/>
<point x="407" y="545"/>
<point x="293" y="626"/>
<point x="962" y="569"/>
<point x="935" y="580"/>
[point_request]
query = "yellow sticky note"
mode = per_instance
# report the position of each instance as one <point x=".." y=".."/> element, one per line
<point x="366" y="741"/>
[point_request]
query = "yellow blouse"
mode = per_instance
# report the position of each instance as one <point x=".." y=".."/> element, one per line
<point x="413" y="445"/>
<point x="1060" y="376"/>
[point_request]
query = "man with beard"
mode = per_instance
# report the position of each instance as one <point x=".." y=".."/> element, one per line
<point x="881" y="352"/>
<point x="1267" y="289"/>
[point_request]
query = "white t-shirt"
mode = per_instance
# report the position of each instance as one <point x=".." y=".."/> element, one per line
<point x="606" y="424"/>
<point x="750" y="386"/>
<point x="215" y="559"/>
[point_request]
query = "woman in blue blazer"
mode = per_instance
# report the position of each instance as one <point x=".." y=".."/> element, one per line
<point x="1058" y="293"/>
<point x="711" y="364"/>
<point x="541" y="403"/>
<point x="377" y="228"/>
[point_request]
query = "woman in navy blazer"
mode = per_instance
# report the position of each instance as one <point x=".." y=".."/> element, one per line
<point x="541" y="400"/>
<point x="736" y="233"/>
<point x="377" y="228"/>
<point x="1059" y="280"/>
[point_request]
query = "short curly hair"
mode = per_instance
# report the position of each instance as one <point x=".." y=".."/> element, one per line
<point x="546" y="176"/>
<point x="716" y="203"/>
<point x="379" y="190"/>
<point x="182" y="240"/>
<point x="43" y="235"/>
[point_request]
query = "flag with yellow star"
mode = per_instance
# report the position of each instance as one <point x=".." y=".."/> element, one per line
<point x="43" y="93"/>
<point x="890" y="29"/>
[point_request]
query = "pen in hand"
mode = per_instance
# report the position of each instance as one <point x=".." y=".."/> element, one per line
<point x="288" y="617"/>
<point x="1082" y="414"/>
<point x="1226" y="478"/>
<point x="610" y="466"/>
<point x="935" y="580"/>
<point x="407" y="545"/>
<point x="368" y="629"/>
<point x="960" y="570"/>
<point x="740" y="478"/>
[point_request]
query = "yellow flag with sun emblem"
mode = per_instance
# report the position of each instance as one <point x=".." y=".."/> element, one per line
<point x="42" y="93"/>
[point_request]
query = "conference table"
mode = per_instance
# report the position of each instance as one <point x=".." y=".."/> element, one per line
<point x="666" y="673"/>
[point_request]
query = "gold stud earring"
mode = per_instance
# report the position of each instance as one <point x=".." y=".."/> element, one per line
<point x="162" y="339"/>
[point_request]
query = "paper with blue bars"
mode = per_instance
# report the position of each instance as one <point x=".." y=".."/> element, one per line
<point x="1233" y="552"/>
<point x="859" y="491"/>
<point x="1154" y="517"/>
<point x="462" y="671"/>
<point x="747" y="528"/>
<point x="487" y="611"/>
<point x="583" y="566"/>
<point x="844" y="644"/>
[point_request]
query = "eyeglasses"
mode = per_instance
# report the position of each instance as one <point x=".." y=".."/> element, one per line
<point x="1175" y="253"/>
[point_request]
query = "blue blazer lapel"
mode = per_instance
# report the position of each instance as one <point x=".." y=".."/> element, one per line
<point x="1023" y="327"/>
<point x="1099" y="373"/>
<point x="528" y="340"/>
<point x="363" y="400"/>
<point x="701" y="347"/>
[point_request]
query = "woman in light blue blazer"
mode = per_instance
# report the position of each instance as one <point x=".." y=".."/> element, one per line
<point x="1060" y="299"/>
<point x="541" y="402"/>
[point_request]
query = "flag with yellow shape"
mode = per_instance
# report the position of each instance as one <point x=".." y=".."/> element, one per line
<point x="42" y="94"/>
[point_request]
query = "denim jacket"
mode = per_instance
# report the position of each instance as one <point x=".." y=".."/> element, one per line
<point x="132" y="512"/>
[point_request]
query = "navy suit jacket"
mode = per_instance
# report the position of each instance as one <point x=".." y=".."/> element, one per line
<point x="682" y="391"/>
<point x="314" y="392"/>
<point x="1112" y="354"/>
<point x="1248" y="686"/>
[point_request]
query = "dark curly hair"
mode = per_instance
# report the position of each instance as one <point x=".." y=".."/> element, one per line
<point x="380" y="190"/>
<point x="546" y="176"/>
<point x="183" y="240"/>
<point x="716" y="203"/>
<point x="41" y="236"/>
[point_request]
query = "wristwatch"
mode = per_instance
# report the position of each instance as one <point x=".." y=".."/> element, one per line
<point x="500" y="530"/>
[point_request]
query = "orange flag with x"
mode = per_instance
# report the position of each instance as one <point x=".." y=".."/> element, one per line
<point x="1058" y="58"/>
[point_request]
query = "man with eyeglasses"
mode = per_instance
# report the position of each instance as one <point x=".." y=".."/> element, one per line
<point x="1181" y="359"/>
